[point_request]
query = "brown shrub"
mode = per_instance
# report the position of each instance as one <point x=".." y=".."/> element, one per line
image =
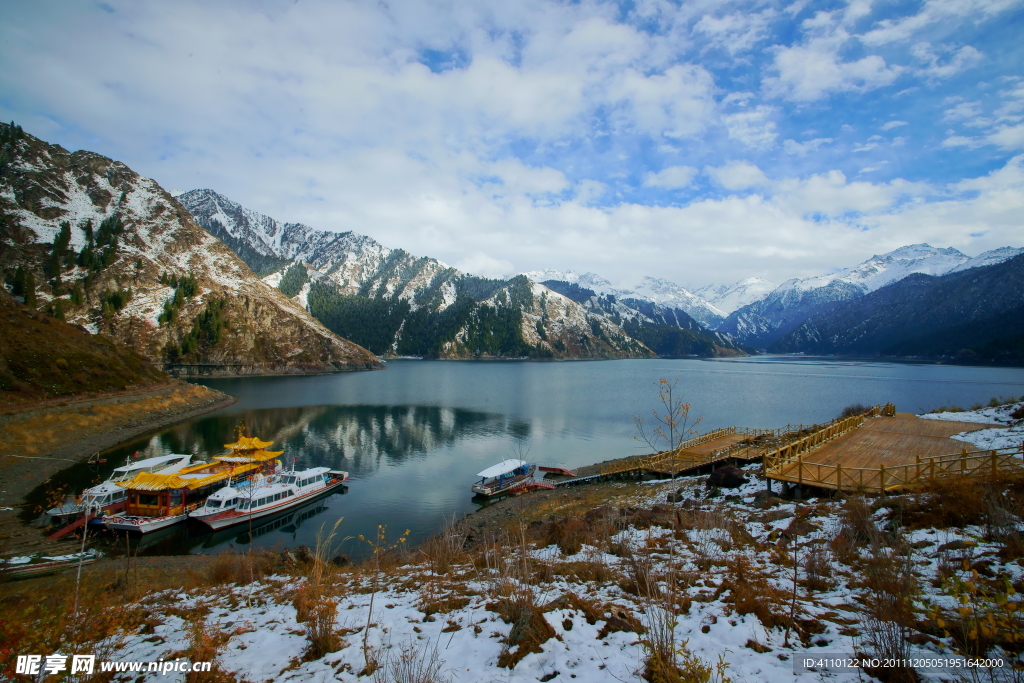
<point x="529" y="630"/>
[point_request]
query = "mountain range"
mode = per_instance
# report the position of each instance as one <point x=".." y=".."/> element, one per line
<point x="967" y="314"/>
<point x="90" y="241"/>
<point x="399" y="304"/>
<point x="199" y="283"/>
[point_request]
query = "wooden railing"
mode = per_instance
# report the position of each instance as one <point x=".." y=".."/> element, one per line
<point x="793" y="450"/>
<point x="987" y="463"/>
<point x="678" y="459"/>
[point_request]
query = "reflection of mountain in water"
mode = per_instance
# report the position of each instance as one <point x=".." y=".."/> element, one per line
<point x="353" y="438"/>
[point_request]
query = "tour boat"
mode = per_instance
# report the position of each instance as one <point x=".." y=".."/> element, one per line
<point x="508" y="476"/>
<point x="108" y="496"/>
<point x="158" y="500"/>
<point x="276" y="494"/>
<point x="219" y="501"/>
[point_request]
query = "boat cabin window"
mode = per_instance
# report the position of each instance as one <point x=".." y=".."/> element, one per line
<point x="213" y="503"/>
<point x="175" y="497"/>
<point x="119" y="495"/>
<point x="244" y="505"/>
<point x="148" y="499"/>
<point x="289" y="480"/>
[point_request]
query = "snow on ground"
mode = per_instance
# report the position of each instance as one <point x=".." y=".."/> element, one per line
<point x="1011" y="435"/>
<point x="268" y="643"/>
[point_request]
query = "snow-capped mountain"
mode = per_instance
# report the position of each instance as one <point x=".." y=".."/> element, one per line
<point x="727" y="298"/>
<point x="989" y="258"/>
<point x="765" y="321"/>
<point x="972" y="314"/>
<point x="665" y="294"/>
<point x="397" y="303"/>
<point x="112" y="251"/>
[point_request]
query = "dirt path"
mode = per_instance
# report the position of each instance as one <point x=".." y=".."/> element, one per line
<point x="40" y="440"/>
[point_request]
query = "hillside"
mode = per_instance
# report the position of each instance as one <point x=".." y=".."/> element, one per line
<point x="973" y="314"/>
<point x="396" y="303"/>
<point x="769" y="319"/>
<point x="42" y="357"/>
<point x="89" y="240"/>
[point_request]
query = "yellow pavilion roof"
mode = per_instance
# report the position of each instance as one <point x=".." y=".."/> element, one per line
<point x="258" y="456"/>
<point x="185" y="479"/>
<point x="248" y="443"/>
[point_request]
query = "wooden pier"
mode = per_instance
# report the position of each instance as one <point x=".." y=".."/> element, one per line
<point x="877" y="453"/>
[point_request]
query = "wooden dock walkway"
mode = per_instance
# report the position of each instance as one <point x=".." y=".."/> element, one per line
<point x="886" y="453"/>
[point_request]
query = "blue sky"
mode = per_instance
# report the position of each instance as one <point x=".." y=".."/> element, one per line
<point x="698" y="142"/>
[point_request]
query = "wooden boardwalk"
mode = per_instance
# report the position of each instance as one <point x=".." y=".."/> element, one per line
<point x="887" y="453"/>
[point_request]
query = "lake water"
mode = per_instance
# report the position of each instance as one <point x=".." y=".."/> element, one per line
<point x="413" y="436"/>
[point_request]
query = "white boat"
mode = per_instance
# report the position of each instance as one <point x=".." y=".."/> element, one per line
<point x="508" y="476"/>
<point x="219" y="501"/>
<point x="275" y="494"/>
<point x="158" y="500"/>
<point x="111" y="497"/>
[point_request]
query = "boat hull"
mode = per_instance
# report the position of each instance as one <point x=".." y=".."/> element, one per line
<point x="142" y="525"/>
<point x="234" y="517"/>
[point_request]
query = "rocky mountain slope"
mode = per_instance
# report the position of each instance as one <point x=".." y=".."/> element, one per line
<point x="968" y="315"/>
<point x="90" y="241"/>
<point x="767" y="320"/>
<point x="399" y="304"/>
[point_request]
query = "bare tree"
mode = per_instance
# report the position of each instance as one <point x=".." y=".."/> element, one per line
<point x="671" y="424"/>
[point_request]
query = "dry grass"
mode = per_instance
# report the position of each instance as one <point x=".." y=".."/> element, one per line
<point x="411" y="664"/>
<point x="529" y="630"/>
<point x="39" y="432"/>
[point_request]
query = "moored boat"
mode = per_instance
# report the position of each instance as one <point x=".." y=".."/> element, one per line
<point x="158" y="500"/>
<point x="508" y="476"/>
<point x="275" y="494"/>
<point x="107" y="496"/>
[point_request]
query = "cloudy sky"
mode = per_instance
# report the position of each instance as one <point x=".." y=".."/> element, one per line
<point x="697" y="141"/>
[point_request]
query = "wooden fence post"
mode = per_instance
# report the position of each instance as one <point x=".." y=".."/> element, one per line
<point x="881" y="479"/>
<point x="839" y="477"/>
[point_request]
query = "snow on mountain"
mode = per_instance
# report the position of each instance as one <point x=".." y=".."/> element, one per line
<point x="764" y="321"/>
<point x="989" y="258"/>
<point x="727" y="298"/>
<point x="879" y="271"/>
<point x="651" y="290"/>
<point x="357" y="265"/>
<point x="137" y="268"/>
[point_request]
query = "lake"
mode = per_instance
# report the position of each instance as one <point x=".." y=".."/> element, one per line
<point x="413" y="436"/>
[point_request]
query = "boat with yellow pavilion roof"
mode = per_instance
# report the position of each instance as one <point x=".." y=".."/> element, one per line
<point x="155" y="501"/>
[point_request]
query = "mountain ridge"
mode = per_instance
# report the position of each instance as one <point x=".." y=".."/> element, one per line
<point x="88" y="239"/>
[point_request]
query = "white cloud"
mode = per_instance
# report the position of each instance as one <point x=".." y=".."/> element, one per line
<point x="1008" y="137"/>
<point x="675" y="103"/>
<point x="753" y="127"/>
<point x="937" y="67"/>
<point x="738" y="175"/>
<point x="673" y="177"/>
<point x="737" y="32"/>
<point x="484" y="265"/>
<point x="802" y="148"/>
<point x="811" y="72"/>
<point x="959" y="141"/>
<point x="321" y="112"/>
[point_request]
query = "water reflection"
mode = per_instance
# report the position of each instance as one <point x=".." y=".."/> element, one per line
<point x="358" y="439"/>
<point x="406" y="450"/>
